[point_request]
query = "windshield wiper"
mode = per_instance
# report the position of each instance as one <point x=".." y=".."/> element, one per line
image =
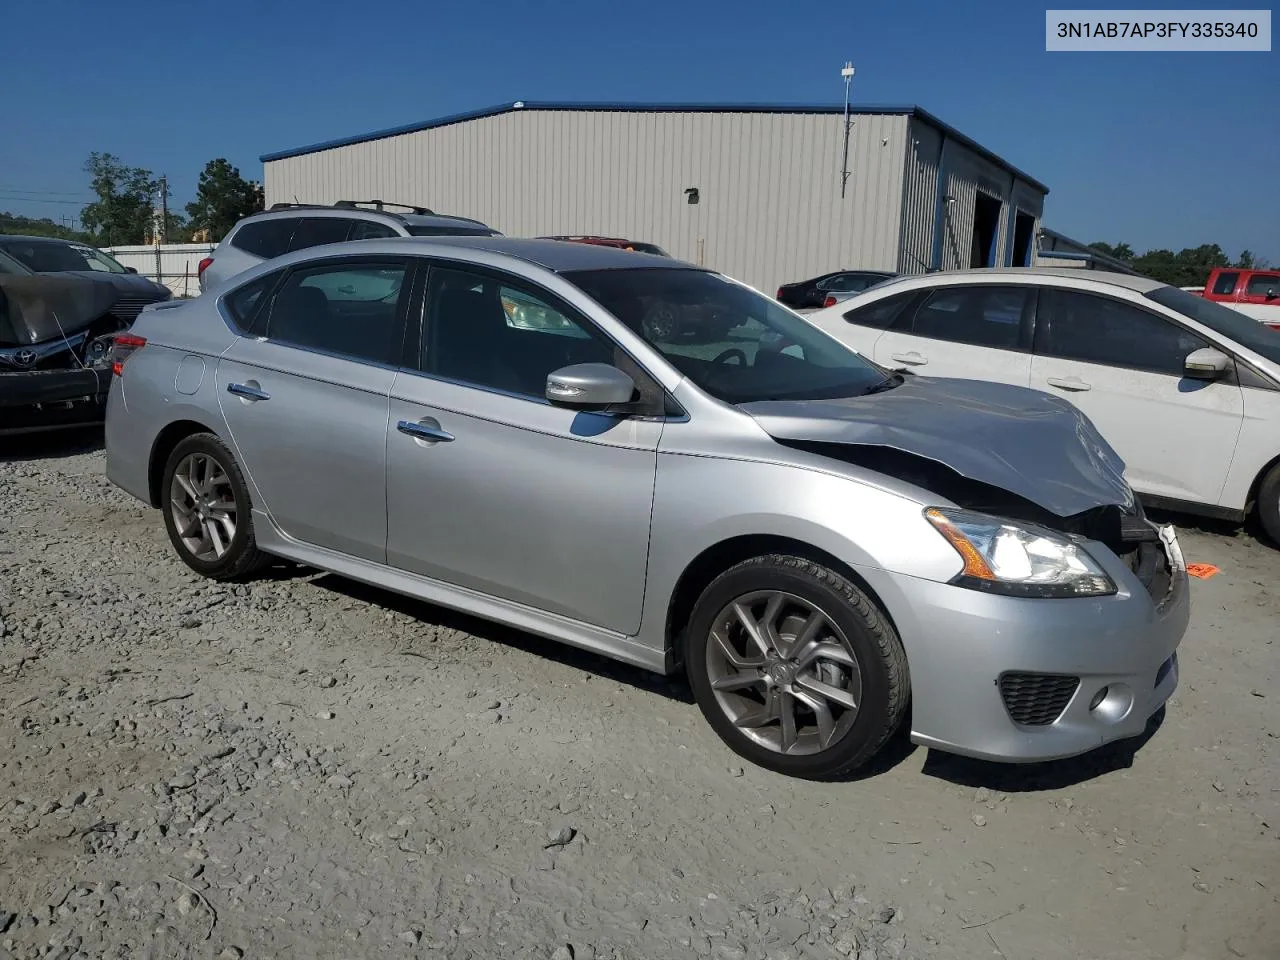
<point x="888" y="383"/>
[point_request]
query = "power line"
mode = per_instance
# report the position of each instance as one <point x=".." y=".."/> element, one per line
<point x="16" y="199"/>
<point x="48" y="193"/>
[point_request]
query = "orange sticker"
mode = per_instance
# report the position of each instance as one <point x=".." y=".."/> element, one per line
<point x="1202" y="571"/>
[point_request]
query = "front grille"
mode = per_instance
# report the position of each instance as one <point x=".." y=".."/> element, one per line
<point x="1036" y="699"/>
<point x="127" y="309"/>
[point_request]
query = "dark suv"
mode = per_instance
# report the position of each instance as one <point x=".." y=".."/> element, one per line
<point x="285" y="227"/>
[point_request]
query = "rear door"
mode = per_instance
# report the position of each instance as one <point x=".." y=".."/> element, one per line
<point x="971" y="331"/>
<point x="306" y="400"/>
<point x="1123" y="366"/>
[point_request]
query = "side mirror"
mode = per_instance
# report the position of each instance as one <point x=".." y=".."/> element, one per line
<point x="130" y="269"/>
<point x="1206" y="364"/>
<point x="589" y="386"/>
<point x="1271" y="294"/>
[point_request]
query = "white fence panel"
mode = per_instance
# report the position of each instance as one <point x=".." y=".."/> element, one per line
<point x="172" y="264"/>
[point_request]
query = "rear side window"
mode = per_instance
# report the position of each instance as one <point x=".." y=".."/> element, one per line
<point x="1095" y="329"/>
<point x="987" y="316"/>
<point x="1225" y="284"/>
<point x="349" y="309"/>
<point x="1264" y="284"/>
<point x="242" y="304"/>
<point x="882" y="313"/>
<point x="317" y="231"/>
<point x="368" y="230"/>
<point x="265" y="238"/>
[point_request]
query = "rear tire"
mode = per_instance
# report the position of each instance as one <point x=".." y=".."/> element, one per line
<point x="819" y="649"/>
<point x="1268" y="505"/>
<point x="207" y="511"/>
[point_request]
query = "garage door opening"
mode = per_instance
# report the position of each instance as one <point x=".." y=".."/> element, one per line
<point x="1023" y="225"/>
<point x="986" y="221"/>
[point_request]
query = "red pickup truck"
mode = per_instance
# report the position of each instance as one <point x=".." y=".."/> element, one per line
<point x="1255" y="293"/>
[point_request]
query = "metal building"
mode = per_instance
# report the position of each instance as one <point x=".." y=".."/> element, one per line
<point x="753" y="190"/>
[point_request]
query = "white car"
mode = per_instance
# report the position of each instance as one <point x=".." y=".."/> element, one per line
<point x="1186" y="390"/>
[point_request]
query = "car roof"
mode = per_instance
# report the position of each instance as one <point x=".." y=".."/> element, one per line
<point x="1102" y="277"/>
<point x="554" y="255"/>
<point x="358" y="213"/>
<point x="24" y="237"/>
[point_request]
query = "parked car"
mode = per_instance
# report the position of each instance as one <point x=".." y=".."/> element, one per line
<point x="286" y="227"/>
<point x="1255" y="293"/>
<point x="56" y="256"/>
<point x="637" y="246"/>
<point x="830" y="288"/>
<point x="56" y="331"/>
<point x="1187" y="391"/>
<point x="813" y="540"/>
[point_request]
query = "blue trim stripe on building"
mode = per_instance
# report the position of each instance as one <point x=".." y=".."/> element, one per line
<point x="948" y="131"/>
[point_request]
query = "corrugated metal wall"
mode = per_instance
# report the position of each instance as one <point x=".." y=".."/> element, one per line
<point x="770" y="209"/>
<point x="919" y="197"/>
<point x="176" y="268"/>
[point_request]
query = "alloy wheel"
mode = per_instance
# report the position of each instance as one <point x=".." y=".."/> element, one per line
<point x="203" y="504"/>
<point x="783" y="673"/>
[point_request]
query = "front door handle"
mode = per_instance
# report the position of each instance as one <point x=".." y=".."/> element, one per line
<point x="913" y="358"/>
<point x="248" y="392"/>
<point x="427" y="429"/>
<point x="1070" y="383"/>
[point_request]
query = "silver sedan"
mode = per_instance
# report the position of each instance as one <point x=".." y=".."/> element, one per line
<point x="649" y="460"/>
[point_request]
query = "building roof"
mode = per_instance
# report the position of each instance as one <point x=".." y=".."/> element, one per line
<point x="1059" y="246"/>
<point x="910" y="110"/>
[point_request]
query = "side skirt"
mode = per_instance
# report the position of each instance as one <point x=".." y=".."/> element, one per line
<point x="573" y="632"/>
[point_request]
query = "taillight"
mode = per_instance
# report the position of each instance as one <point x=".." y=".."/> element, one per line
<point x="778" y="295"/>
<point x="203" y="266"/>
<point x="830" y="301"/>
<point x="1274" y="326"/>
<point x="125" y="345"/>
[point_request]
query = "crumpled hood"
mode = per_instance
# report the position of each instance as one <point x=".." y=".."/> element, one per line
<point x="125" y="284"/>
<point x="1026" y="442"/>
<point x="49" y="305"/>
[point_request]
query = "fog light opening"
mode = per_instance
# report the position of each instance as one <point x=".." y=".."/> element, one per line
<point x="1112" y="703"/>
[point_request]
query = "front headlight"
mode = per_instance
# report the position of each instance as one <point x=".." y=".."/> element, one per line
<point x="1018" y="559"/>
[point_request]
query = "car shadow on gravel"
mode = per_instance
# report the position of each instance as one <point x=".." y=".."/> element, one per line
<point x="674" y="687"/>
<point x="1049" y="775"/>
<point x="50" y="446"/>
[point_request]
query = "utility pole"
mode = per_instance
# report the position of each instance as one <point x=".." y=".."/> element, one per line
<point x="162" y="231"/>
<point x="847" y="72"/>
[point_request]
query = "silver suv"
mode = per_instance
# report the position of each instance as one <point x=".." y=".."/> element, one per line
<point x="286" y="227"/>
<point x="501" y="426"/>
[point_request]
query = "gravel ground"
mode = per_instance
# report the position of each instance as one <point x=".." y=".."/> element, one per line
<point x="301" y="766"/>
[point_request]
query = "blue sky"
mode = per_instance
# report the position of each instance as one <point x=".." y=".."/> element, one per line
<point x="1154" y="149"/>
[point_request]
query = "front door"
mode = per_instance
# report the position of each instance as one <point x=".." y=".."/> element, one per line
<point x="1123" y="366"/>
<point x="972" y="331"/>
<point x="492" y="488"/>
<point x="306" y="403"/>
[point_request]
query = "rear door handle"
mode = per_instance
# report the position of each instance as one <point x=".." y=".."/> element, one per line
<point x="428" y="430"/>
<point x="913" y="358"/>
<point x="248" y="392"/>
<point x="1069" y="383"/>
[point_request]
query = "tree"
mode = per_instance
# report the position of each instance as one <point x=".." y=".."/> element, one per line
<point x="123" y="212"/>
<point x="223" y="197"/>
<point x="42" y="227"/>
<point x="1121" y="251"/>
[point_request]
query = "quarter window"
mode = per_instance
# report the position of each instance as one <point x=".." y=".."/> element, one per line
<point x="880" y="314"/>
<point x="347" y="309"/>
<point x="1225" y="285"/>
<point x="368" y="230"/>
<point x="1095" y="329"/>
<point x="501" y="334"/>
<point x="317" y="231"/>
<point x="1264" y="285"/>
<point x="242" y="304"/>
<point x="265" y="238"/>
<point x="988" y="316"/>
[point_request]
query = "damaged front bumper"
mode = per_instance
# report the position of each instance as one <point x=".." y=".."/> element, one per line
<point x="37" y="400"/>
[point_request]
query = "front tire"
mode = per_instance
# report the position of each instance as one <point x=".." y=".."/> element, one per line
<point x="1268" y="506"/>
<point x="207" y="511"/>
<point x="795" y="667"/>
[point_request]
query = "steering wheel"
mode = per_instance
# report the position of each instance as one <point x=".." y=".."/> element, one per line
<point x="727" y="355"/>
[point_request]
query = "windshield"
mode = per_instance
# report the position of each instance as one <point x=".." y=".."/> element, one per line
<point x="425" y="230"/>
<point x="732" y="342"/>
<point x="1244" y="330"/>
<point x="54" y="256"/>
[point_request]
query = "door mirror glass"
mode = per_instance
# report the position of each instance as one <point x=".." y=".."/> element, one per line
<point x="589" y="386"/>
<point x="1207" y="364"/>
<point x="130" y="269"/>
